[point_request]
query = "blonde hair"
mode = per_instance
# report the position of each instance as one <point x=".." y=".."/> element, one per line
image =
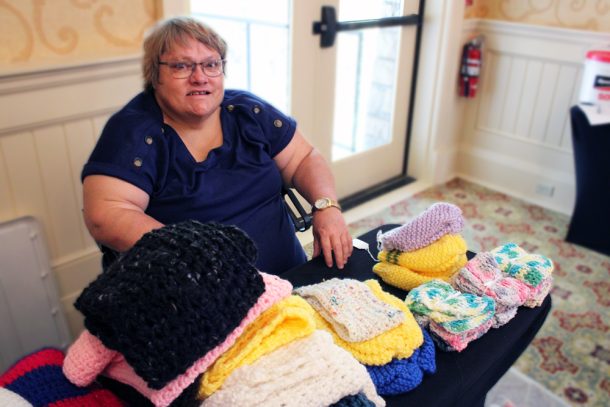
<point x="167" y="33"/>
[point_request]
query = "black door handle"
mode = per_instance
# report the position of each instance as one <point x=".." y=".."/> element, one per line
<point x="329" y="26"/>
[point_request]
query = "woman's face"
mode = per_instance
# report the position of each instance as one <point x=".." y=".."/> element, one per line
<point x="191" y="99"/>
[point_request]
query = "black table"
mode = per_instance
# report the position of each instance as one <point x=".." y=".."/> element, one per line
<point x="461" y="378"/>
<point x="590" y="223"/>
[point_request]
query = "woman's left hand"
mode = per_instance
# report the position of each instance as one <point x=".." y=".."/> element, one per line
<point x="331" y="237"/>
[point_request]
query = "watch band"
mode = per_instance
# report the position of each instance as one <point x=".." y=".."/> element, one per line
<point x="325" y="203"/>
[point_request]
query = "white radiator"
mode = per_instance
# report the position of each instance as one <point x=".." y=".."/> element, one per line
<point x="30" y="312"/>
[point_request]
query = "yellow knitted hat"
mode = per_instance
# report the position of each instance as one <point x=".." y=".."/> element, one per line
<point x="287" y="320"/>
<point x="434" y="259"/>
<point x="398" y="342"/>
<point x="407" y="279"/>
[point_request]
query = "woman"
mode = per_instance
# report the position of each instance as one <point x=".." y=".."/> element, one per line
<point x="185" y="148"/>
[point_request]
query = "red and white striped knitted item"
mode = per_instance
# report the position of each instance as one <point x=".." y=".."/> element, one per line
<point x="37" y="380"/>
<point x="88" y="357"/>
<point x="438" y="220"/>
<point x="312" y="371"/>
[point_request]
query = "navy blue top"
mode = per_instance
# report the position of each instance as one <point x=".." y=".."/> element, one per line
<point x="238" y="183"/>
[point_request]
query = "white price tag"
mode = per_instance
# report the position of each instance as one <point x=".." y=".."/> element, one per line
<point x="362" y="245"/>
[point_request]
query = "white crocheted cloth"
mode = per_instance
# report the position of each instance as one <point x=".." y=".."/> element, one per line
<point x="352" y="309"/>
<point x="309" y="372"/>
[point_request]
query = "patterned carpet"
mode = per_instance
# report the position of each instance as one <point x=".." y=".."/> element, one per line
<point x="571" y="354"/>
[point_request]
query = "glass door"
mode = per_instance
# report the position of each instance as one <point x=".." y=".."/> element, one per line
<point x="361" y="90"/>
<point x="258" y="34"/>
<point x="351" y="100"/>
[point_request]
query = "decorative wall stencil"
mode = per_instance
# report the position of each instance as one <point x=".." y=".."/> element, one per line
<point x="42" y="34"/>
<point x="590" y="15"/>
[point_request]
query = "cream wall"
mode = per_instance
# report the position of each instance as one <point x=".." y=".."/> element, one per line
<point x="65" y="66"/>
<point x="516" y="134"/>
<point x="39" y="34"/>
<point x="590" y="15"/>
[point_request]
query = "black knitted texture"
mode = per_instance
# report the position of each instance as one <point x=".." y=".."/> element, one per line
<point x="173" y="297"/>
<point x="188" y="397"/>
<point x="357" y="400"/>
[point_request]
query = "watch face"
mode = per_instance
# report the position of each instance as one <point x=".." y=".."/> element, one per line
<point x="321" y="203"/>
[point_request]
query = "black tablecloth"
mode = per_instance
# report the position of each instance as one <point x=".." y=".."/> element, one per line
<point x="462" y="378"/>
<point x="590" y="223"/>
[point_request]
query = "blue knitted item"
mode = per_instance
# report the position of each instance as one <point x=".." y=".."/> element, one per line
<point x="403" y="375"/>
<point x="357" y="400"/>
<point x="427" y="354"/>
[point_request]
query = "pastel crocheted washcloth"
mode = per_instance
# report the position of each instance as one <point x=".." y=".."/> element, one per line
<point x="481" y="276"/>
<point x="528" y="296"/>
<point x="88" y="357"/>
<point x="455" y="311"/>
<point x="503" y="314"/>
<point x="311" y="371"/>
<point x="403" y="375"/>
<point x="358" y="400"/>
<point x="434" y="259"/>
<point x="163" y="303"/>
<point x="37" y="380"/>
<point x="407" y="279"/>
<point x="398" y="342"/>
<point x="516" y="262"/>
<point x="439" y="219"/>
<point x="448" y="341"/>
<point x="352" y="309"/>
<point x="288" y="320"/>
<point x="538" y="294"/>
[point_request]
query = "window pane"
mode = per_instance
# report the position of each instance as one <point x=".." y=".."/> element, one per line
<point x="258" y="35"/>
<point x="366" y="78"/>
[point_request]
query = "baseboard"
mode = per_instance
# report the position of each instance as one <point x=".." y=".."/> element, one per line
<point x="519" y="194"/>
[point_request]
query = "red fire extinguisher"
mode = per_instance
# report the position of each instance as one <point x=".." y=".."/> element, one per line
<point x="470" y="68"/>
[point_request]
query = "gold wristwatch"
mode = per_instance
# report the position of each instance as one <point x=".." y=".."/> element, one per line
<point x="325" y="203"/>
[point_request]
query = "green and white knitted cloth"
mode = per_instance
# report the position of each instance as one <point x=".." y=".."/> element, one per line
<point x="456" y="312"/>
<point x="352" y="309"/>
<point x="532" y="269"/>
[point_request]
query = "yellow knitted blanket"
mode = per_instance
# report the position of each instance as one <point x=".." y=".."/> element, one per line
<point x="285" y="321"/>
<point x="407" y="279"/>
<point x="398" y="342"/>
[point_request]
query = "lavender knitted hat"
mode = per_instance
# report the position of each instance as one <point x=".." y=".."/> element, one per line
<point x="438" y="220"/>
<point x="173" y="297"/>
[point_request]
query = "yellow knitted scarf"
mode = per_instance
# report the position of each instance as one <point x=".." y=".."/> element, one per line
<point x="285" y="321"/>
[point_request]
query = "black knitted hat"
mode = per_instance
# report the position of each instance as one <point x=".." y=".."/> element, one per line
<point x="177" y="294"/>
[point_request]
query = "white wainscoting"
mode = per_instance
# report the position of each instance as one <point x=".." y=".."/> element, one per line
<point x="517" y="135"/>
<point x="49" y="123"/>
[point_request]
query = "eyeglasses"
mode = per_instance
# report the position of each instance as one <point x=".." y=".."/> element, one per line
<point x="182" y="70"/>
